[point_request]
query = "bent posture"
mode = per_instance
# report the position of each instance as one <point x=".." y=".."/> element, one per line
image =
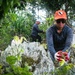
<point x="59" y="36"/>
<point x="35" y="31"/>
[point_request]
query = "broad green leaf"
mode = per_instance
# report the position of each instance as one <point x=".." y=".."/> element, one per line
<point x="61" y="63"/>
<point x="0" y="66"/>
<point x="11" y="59"/>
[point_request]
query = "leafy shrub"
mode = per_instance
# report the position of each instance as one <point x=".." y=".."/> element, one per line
<point x="12" y="69"/>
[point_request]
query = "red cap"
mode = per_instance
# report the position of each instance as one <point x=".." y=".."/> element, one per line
<point x="60" y="14"/>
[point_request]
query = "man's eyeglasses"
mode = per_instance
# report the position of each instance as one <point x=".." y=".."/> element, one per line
<point x="61" y="20"/>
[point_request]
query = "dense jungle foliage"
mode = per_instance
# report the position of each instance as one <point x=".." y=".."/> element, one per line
<point x="16" y="19"/>
<point x="20" y="21"/>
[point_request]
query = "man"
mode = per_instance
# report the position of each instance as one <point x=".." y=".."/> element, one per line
<point x="35" y="31"/>
<point x="59" y="36"/>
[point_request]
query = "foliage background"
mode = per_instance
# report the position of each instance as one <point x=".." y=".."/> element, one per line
<point x="14" y="22"/>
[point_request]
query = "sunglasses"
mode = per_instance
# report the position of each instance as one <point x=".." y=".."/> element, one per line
<point x="60" y="20"/>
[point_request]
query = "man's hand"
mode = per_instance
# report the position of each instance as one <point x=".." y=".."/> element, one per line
<point x="44" y="32"/>
<point x="66" y="56"/>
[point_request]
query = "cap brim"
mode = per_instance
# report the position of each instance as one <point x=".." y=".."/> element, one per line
<point x="60" y="18"/>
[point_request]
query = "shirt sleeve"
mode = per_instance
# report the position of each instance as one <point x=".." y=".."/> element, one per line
<point x="68" y="40"/>
<point x="49" y="39"/>
<point x="38" y="30"/>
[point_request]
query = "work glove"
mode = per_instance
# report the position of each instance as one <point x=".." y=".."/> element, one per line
<point x="66" y="56"/>
<point x="61" y="55"/>
<point x="58" y="56"/>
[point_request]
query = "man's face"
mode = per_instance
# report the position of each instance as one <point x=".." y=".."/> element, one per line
<point x="60" y="23"/>
<point x="38" y="22"/>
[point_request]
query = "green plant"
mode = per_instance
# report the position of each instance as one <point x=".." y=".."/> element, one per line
<point x="14" y="24"/>
<point x="44" y="26"/>
<point x="63" y="70"/>
<point x="12" y="69"/>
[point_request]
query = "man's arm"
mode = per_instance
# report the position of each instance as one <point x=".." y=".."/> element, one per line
<point x="49" y="39"/>
<point x="38" y="30"/>
<point x="68" y="40"/>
